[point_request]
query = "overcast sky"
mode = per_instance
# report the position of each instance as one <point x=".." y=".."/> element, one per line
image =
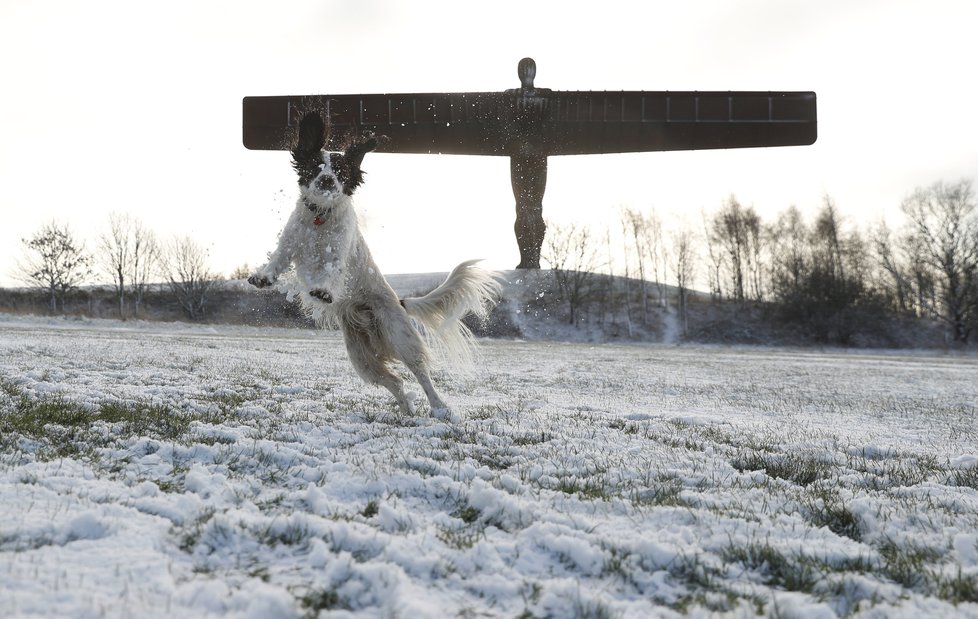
<point x="135" y="107"/>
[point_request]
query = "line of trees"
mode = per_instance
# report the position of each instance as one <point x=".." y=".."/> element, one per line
<point x="825" y="277"/>
<point x="128" y="254"/>
<point x="822" y="275"/>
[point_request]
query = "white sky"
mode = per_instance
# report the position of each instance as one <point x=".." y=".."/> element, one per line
<point x="136" y="107"/>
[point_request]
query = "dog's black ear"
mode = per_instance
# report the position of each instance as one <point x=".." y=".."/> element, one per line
<point x="306" y="154"/>
<point x="359" y="149"/>
<point x="354" y="155"/>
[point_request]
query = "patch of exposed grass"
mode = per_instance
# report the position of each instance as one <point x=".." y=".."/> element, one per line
<point x="907" y="563"/>
<point x="371" y="509"/>
<point x="59" y="427"/>
<point x="796" y="468"/>
<point x="318" y="600"/>
<point x="958" y="589"/>
<point x="461" y="538"/>
<point x="189" y="535"/>
<point x="967" y="478"/>
<point x="30" y="417"/>
<point x="532" y="438"/>
<point x="469" y="514"/>
<point x="10" y="389"/>
<point x="55" y="424"/>
<point x="290" y="534"/>
<point x="141" y="419"/>
<point x="663" y="490"/>
<point x="826" y="509"/>
<point x="777" y="568"/>
<point x="590" y="488"/>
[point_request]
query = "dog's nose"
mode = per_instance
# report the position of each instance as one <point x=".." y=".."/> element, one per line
<point x="326" y="183"/>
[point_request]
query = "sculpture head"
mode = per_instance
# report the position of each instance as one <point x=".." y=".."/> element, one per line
<point x="527" y="70"/>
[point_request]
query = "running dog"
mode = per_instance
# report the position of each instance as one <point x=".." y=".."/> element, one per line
<point x="337" y="280"/>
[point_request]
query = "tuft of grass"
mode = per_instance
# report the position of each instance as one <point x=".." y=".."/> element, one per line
<point x="56" y="424"/>
<point x="189" y="536"/>
<point x="959" y="589"/>
<point x="795" y="468"/>
<point x="371" y="509"/>
<point x="826" y="509"/>
<point x="292" y="534"/>
<point x="469" y="514"/>
<point x="591" y="609"/>
<point x="967" y="478"/>
<point x="140" y="419"/>
<point x="10" y="389"/>
<point x="533" y="438"/>
<point x="31" y="417"/>
<point x="792" y="573"/>
<point x="590" y="489"/>
<point x="59" y="427"/>
<point x="318" y="600"/>
<point x="664" y="490"/>
<point x="907" y="563"/>
<point x="464" y="537"/>
<point x="228" y="401"/>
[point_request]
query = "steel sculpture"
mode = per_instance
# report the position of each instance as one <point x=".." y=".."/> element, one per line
<point x="530" y="124"/>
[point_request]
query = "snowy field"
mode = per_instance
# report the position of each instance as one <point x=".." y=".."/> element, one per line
<point x="151" y="470"/>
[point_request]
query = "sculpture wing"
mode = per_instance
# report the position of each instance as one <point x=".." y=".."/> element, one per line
<point x="543" y="122"/>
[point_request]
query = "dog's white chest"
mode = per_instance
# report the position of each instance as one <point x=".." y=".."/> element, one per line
<point x="320" y="251"/>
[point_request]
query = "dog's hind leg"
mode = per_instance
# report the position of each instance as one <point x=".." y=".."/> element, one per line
<point x="372" y="365"/>
<point x="407" y="345"/>
<point x="439" y="409"/>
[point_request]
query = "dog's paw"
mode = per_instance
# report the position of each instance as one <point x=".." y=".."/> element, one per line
<point x="446" y="414"/>
<point x="260" y="281"/>
<point x="322" y="295"/>
<point x="410" y="403"/>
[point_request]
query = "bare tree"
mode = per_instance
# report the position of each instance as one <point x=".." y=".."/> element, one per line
<point x="242" y="271"/>
<point x="895" y="280"/>
<point x="943" y="237"/>
<point x="55" y="262"/>
<point x="573" y="256"/>
<point x="611" y="298"/>
<point x="129" y="254"/>
<point x="655" y="249"/>
<point x="145" y="263"/>
<point x="790" y="256"/>
<point x="717" y="262"/>
<point x="684" y="270"/>
<point x="650" y="252"/>
<point x="114" y="254"/>
<point x="736" y="232"/>
<point x="633" y="228"/>
<point x="185" y="267"/>
<point x="828" y="243"/>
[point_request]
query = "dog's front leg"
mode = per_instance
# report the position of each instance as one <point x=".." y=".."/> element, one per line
<point x="268" y="274"/>
<point x="278" y="260"/>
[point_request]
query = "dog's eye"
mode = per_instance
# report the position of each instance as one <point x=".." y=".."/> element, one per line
<point x="326" y="183"/>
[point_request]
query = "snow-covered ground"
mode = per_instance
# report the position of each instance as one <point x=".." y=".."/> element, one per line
<point x="151" y="470"/>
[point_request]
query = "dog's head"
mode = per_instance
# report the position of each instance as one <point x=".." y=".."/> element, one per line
<point x="323" y="175"/>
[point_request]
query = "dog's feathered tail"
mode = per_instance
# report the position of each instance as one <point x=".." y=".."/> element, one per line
<point x="467" y="290"/>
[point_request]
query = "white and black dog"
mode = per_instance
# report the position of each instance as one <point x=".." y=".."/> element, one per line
<point x="337" y="280"/>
